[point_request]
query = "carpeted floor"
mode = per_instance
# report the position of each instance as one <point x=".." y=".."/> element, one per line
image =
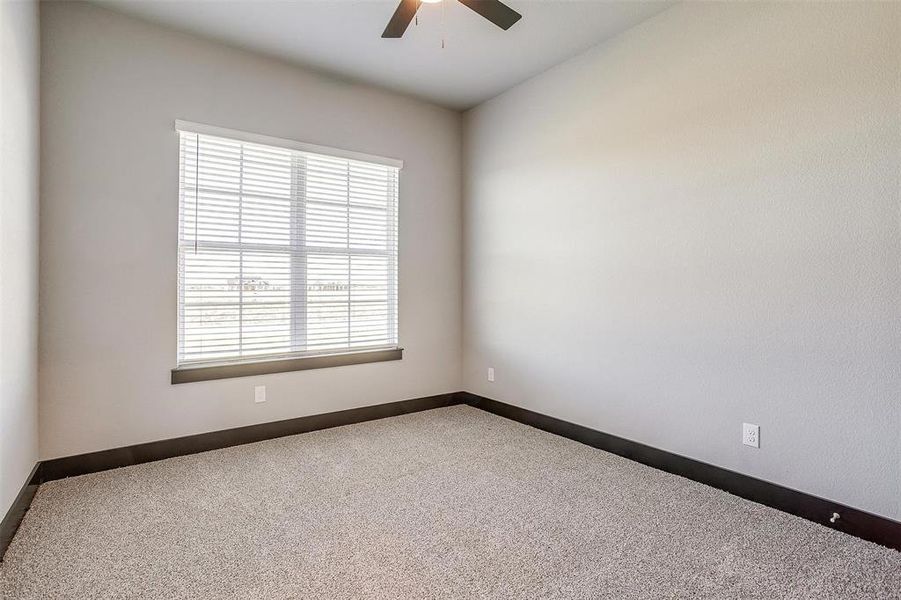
<point x="449" y="503"/>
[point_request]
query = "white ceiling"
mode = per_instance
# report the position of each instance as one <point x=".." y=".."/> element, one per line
<point x="478" y="62"/>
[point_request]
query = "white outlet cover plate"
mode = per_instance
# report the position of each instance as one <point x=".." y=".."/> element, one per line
<point x="491" y="374"/>
<point x="259" y="394"/>
<point x="750" y="435"/>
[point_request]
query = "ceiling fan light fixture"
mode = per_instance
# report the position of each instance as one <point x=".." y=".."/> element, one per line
<point x="494" y="10"/>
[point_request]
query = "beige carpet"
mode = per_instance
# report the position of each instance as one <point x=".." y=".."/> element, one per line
<point x="449" y="503"/>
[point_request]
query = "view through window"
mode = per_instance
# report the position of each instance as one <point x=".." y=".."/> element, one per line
<point x="283" y="252"/>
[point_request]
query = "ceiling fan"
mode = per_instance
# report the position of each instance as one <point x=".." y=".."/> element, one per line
<point x="494" y="10"/>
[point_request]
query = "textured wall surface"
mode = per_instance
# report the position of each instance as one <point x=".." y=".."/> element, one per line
<point x="112" y="88"/>
<point x="697" y="224"/>
<point x="19" y="136"/>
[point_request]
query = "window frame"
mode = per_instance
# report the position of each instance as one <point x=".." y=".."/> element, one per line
<point x="298" y="358"/>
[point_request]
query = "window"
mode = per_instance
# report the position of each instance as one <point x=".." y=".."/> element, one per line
<point x="285" y="250"/>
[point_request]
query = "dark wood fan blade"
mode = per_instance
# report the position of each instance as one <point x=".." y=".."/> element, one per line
<point x="401" y="18"/>
<point x="495" y="11"/>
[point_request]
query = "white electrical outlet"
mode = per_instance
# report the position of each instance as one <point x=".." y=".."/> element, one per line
<point x="259" y="394"/>
<point x="750" y="435"/>
<point x="491" y="374"/>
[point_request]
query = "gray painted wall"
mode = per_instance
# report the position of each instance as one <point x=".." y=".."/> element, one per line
<point x="19" y="136"/>
<point x="697" y="224"/>
<point x="112" y="87"/>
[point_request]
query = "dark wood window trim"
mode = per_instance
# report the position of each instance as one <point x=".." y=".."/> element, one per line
<point x="264" y="367"/>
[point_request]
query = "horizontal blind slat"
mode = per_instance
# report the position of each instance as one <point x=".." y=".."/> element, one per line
<point x="283" y="252"/>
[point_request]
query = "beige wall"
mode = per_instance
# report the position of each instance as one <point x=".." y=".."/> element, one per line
<point x="693" y="225"/>
<point x="698" y="224"/>
<point x="112" y="87"/>
<point x="19" y="87"/>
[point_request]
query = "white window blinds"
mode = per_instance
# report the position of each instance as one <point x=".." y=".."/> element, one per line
<point x="282" y="252"/>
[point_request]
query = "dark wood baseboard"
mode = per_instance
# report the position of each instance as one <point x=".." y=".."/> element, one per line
<point x="16" y="512"/>
<point x="852" y="521"/>
<point x="93" y="462"/>
<point x="103" y="460"/>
